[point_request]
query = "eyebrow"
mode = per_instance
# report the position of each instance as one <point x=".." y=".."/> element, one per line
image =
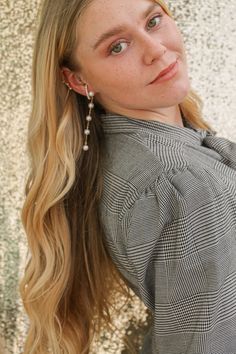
<point x="118" y="29"/>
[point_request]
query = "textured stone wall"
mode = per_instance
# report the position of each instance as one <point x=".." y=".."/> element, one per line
<point x="209" y="30"/>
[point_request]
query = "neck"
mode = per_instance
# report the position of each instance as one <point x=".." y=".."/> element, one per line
<point x="169" y="115"/>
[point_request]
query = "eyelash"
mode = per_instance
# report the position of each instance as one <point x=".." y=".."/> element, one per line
<point x="111" y="48"/>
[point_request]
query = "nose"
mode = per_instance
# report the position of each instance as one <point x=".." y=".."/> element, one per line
<point x="152" y="48"/>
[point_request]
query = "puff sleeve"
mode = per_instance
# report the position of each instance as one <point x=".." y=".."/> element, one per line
<point x="180" y="242"/>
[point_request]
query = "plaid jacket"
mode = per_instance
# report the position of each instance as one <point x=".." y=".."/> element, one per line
<point x="169" y="214"/>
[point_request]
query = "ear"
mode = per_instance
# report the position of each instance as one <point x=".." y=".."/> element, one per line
<point x="74" y="81"/>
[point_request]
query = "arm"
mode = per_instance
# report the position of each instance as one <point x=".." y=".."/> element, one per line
<point x="181" y="251"/>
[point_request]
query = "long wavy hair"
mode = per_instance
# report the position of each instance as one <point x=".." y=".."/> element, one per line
<point x="70" y="282"/>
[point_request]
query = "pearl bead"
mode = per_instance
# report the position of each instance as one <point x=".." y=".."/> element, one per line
<point x="91" y="105"/>
<point x="87" y="132"/>
<point x="91" y="94"/>
<point x="85" y="147"/>
<point x="88" y="118"/>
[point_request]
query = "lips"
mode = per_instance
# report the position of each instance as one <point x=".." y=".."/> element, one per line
<point x="163" y="72"/>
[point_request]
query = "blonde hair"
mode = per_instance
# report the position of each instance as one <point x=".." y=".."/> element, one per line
<point x="70" y="282"/>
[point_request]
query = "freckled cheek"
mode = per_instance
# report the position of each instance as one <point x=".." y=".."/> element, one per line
<point x="176" y="40"/>
<point x="177" y="46"/>
<point x="120" y="77"/>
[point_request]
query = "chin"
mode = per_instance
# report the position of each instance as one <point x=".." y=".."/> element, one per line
<point x="175" y="96"/>
<point x="183" y="89"/>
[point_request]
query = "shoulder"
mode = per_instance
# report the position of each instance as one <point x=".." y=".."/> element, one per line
<point x="130" y="161"/>
<point x="129" y="167"/>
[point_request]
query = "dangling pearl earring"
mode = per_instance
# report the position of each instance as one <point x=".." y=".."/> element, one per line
<point x="90" y="96"/>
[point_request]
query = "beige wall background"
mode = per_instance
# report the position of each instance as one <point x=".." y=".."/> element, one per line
<point x="209" y="30"/>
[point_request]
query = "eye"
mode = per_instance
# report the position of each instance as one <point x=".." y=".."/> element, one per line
<point x="153" y="20"/>
<point x="116" y="48"/>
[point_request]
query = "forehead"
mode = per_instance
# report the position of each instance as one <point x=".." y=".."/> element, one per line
<point x="100" y="14"/>
<point x="114" y="5"/>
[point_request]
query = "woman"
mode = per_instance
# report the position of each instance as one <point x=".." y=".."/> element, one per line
<point x="129" y="186"/>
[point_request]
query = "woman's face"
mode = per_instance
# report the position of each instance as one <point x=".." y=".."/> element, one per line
<point x="119" y="66"/>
